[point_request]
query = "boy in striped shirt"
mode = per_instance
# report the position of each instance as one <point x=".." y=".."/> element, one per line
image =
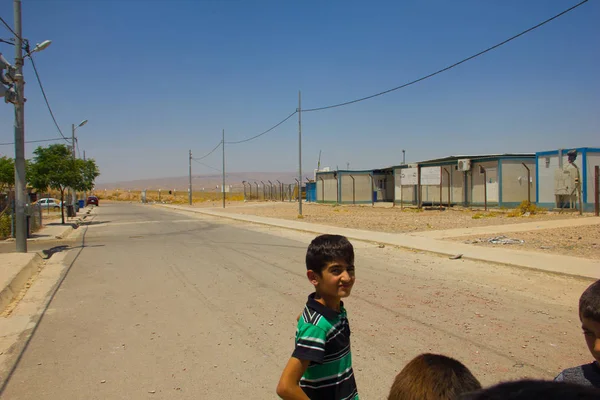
<point x="321" y="364"/>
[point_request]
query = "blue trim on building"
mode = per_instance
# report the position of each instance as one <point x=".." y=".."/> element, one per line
<point x="357" y="202"/>
<point x="584" y="176"/>
<point x="565" y="150"/>
<point x="492" y="204"/>
<point x="546" y="153"/>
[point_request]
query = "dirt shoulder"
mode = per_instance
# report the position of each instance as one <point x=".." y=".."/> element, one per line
<point x="581" y="241"/>
<point x="387" y="218"/>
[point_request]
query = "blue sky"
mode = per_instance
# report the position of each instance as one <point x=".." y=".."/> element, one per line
<point x="156" y="78"/>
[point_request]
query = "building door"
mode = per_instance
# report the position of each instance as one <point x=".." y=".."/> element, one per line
<point x="492" y="185"/>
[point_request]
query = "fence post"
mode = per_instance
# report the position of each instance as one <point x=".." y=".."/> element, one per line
<point x="353" y="190"/>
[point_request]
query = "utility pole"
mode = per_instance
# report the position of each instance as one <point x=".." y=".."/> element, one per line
<point x="223" y="187"/>
<point x="20" y="185"/>
<point x="85" y="192"/>
<point x="190" y="183"/>
<point x="299" y="153"/>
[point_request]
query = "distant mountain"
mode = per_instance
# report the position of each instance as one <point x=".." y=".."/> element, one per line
<point x="206" y="182"/>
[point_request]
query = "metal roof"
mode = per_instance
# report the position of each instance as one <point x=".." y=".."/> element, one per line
<point x="476" y="157"/>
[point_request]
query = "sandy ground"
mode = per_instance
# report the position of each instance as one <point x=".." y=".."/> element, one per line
<point x="582" y="241"/>
<point x="180" y="305"/>
<point x="386" y="218"/>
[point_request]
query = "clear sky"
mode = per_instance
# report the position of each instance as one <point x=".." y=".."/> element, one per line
<point x="158" y="77"/>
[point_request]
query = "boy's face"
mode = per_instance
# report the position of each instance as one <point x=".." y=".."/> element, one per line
<point x="591" y="331"/>
<point x="336" y="279"/>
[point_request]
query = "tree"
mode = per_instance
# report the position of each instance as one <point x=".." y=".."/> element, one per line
<point x="89" y="172"/>
<point x="54" y="167"/>
<point x="7" y="173"/>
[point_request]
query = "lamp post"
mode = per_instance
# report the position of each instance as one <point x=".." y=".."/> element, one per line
<point x="19" y="103"/>
<point x="73" y="143"/>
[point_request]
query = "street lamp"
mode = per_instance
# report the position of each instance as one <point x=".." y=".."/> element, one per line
<point x="39" y="47"/>
<point x="19" y="103"/>
<point x="73" y="142"/>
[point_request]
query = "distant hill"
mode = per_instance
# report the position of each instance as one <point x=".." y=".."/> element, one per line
<point x="206" y="182"/>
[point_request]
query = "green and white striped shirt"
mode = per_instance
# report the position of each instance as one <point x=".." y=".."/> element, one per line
<point x="323" y="338"/>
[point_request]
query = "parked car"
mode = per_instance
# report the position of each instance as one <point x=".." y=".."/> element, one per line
<point x="49" y="202"/>
<point x="93" y="200"/>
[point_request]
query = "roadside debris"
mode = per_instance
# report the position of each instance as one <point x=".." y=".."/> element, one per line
<point x="456" y="257"/>
<point x="495" y="240"/>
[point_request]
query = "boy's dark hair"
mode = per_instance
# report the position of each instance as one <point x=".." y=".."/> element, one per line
<point x="433" y="377"/>
<point x="589" y="302"/>
<point x="535" y="390"/>
<point x="328" y="248"/>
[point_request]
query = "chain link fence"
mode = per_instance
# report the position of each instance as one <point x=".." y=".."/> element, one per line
<point x="33" y="215"/>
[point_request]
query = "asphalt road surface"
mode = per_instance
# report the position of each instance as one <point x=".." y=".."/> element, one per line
<point x="174" y="305"/>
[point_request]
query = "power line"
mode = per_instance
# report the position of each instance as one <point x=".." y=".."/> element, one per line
<point x="227" y="174"/>
<point x="46" y="99"/>
<point x="6" y="41"/>
<point x="9" y="28"/>
<point x="265" y="132"/>
<point x="209" y="153"/>
<point x="450" y="66"/>
<point x="206" y="165"/>
<point x="33" y="141"/>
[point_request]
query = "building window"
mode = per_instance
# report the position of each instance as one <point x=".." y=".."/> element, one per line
<point x="547" y="162"/>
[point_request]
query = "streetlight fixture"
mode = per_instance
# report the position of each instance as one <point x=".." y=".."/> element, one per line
<point x="39" y="47"/>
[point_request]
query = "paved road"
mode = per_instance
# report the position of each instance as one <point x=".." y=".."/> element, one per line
<point x="160" y="304"/>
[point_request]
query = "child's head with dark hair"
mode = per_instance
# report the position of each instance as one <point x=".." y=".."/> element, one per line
<point x="589" y="314"/>
<point x="330" y="266"/>
<point x="535" y="390"/>
<point x="589" y="302"/>
<point x="433" y="377"/>
<point x="326" y="249"/>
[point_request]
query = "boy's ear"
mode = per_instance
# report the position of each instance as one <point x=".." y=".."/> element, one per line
<point x="313" y="277"/>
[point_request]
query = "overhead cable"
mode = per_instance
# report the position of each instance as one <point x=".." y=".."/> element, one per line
<point x="448" y="67"/>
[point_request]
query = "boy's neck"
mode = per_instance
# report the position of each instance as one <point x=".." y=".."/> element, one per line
<point x="329" y="302"/>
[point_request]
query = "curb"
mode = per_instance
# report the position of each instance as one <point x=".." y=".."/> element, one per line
<point x="18" y="281"/>
<point x="406" y="247"/>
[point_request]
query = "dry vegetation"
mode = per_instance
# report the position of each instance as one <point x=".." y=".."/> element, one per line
<point x="180" y="197"/>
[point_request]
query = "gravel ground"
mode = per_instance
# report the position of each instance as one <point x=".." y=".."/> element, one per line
<point x="385" y="218"/>
<point x="582" y="241"/>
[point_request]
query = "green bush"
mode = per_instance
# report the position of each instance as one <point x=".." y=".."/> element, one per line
<point x="4" y="226"/>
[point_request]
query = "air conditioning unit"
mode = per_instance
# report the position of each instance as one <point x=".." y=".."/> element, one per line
<point x="464" y="165"/>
